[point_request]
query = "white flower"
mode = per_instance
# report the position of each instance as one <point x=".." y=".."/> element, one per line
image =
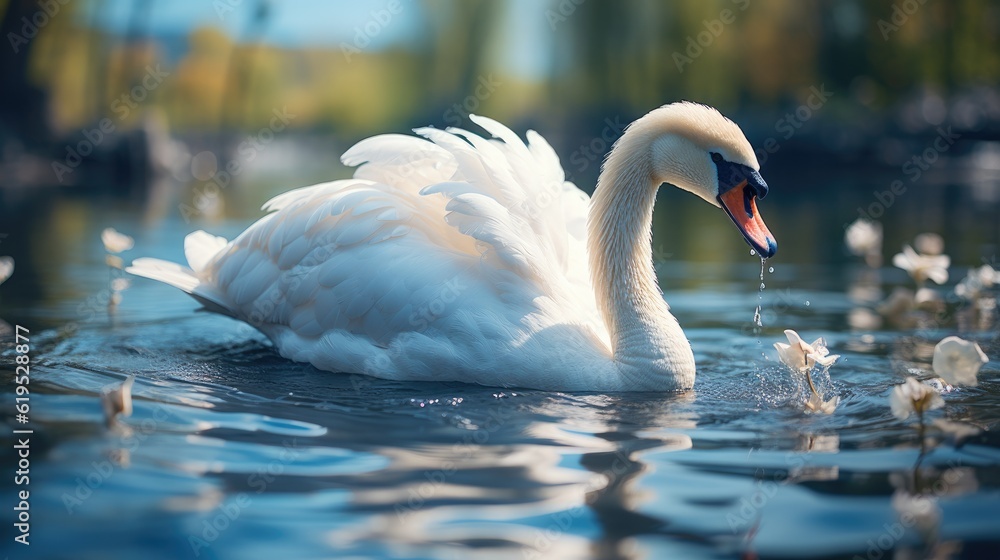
<point x="817" y="404"/>
<point x="958" y="361"/>
<point x="929" y="244"/>
<point x="117" y="400"/>
<point x="913" y="396"/>
<point x="977" y="281"/>
<point x="801" y="356"/>
<point x="6" y="268"/>
<point x="922" y="267"/>
<point x="115" y="242"/>
<point x="864" y="237"/>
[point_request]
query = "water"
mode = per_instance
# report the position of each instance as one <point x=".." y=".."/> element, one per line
<point x="234" y="452"/>
<point x="760" y="297"/>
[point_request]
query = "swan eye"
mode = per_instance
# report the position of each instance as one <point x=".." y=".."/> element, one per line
<point x="732" y="175"/>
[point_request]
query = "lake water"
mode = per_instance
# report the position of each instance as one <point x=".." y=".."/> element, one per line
<point x="234" y="452"/>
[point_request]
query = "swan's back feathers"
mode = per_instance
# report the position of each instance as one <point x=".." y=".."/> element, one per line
<point x="546" y="214"/>
<point x="405" y="162"/>
<point x="199" y="248"/>
<point x="505" y="201"/>
<point x="409" y="268"/>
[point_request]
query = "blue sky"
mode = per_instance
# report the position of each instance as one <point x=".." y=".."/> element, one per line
<point x="295" y="23"/>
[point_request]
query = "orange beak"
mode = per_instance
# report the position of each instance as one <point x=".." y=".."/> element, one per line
<point x="740" y="203"/>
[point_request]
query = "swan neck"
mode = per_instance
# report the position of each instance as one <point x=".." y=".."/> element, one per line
<point x="620" y="235"/>
<point x="645" y="337"/>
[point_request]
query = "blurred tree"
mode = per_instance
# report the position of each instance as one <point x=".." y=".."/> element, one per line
<point x="196" y="92"/>
<point x="460" y="34"/>
<point x="244" y="61"/>
<point x="606" y="58"/>
<point x="23" y="104"/>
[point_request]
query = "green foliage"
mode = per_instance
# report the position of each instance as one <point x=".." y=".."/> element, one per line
<point x="634" y="54"/>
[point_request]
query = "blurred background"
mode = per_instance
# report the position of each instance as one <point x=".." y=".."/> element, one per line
<point x="158" y="118"/>
<point x="170" y="116"/>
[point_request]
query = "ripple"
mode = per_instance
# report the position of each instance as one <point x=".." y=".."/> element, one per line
<point x="448" y="469"/>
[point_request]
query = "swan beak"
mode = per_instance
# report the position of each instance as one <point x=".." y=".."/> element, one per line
<point x="741" y="205"/>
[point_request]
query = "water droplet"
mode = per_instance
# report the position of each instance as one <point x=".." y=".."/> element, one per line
<point x="771" y="269"/>
<point x="760" y="296"/>
<point x="807" y="303"/>
<point x="752" y="252"/>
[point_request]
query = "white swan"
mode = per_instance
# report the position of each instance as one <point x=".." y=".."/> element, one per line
<point x="456" y="258"/>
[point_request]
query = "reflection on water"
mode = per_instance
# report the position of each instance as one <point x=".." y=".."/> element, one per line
<point x="233" y="452"/>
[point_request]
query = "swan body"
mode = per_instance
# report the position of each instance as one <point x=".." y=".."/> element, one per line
<point x="455" y="257"/>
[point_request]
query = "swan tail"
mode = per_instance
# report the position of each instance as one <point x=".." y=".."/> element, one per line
<point x="199" y="248"/>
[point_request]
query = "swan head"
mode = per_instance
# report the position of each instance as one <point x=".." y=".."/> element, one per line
<point x="695" y="148"/>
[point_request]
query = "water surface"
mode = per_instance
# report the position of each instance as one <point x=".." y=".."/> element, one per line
<point x="234" y="452"/>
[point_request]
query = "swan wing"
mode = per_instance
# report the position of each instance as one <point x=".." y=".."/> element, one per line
<point x="355" y="276"/>
<point x="545" y="214"/>
<point x="442" y="253"/>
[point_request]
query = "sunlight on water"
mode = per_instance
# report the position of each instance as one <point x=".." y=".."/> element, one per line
<point x="296" y="462"/>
